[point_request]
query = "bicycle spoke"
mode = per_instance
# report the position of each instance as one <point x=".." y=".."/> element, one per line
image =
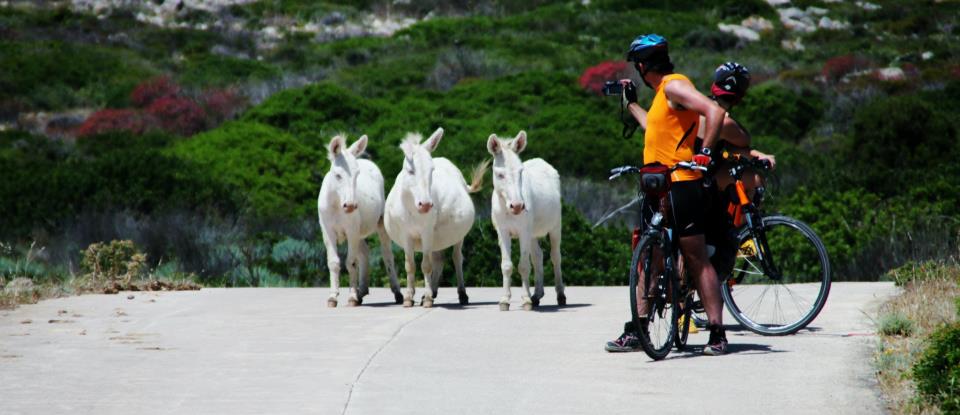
<point x="789" y="302"/>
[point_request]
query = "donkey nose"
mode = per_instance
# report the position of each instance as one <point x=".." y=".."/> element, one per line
<point x="516" y="208"/>
<point x="349" y="207"/>
<point x="424" y="207"/>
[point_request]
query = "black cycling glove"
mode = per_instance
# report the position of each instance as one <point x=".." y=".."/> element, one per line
<point x="630" y="92"/>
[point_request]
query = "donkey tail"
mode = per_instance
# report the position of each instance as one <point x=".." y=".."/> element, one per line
<point x="476" y="179"/>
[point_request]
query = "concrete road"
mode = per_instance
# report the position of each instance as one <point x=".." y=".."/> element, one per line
<point x="280" y="351"/>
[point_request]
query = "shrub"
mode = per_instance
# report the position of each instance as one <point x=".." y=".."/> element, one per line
<point x="774" y="109"/>
<point x="115" y="120"/>
<point x="937" y="372"/>
<point x="320" y="108"/>
<point x="178" y="115"/>
<point x="222" y="104"/>
<point x="711" y="39"/>
<point x="900" y="133"/>
<point x="51" y="75"/>
<point x="913" y="271"/>
<point x="112" y="265"/>
<point x="895" y="324"/>
<point x="153" y="89"/>
<point x="835" y="68"/>
<point x="594" y="77"/>
<point x="272" y="171"/>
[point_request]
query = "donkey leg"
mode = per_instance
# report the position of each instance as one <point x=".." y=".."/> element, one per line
<point x="557" y="273"/>
<point x="386" y="251"/>
<point x="458" y="268"/>
<point x="353" y="251"/>
<point x="524" y="269"/>
<point x="536" y="255"/>
<point x="411" y="268"/>
<point x="333" y="264"/>
<point x="363" y="261"/>
<point x="435" y="276"/>
<point x="426" y="266"/>
<point x="506" y="267"/>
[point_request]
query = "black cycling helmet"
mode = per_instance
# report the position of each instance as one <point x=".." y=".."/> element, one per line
<point x="730" y="81"/>
<point x="645" y="47"/>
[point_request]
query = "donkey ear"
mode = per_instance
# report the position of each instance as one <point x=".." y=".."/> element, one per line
<point x="336" y="146"/>
<point x="520" y="142"/>
<point x="493" y="145"/>
<point x="358" y="147"/>
<point x="434" y="140"/>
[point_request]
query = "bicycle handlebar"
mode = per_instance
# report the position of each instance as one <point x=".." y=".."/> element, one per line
<point x="619" y="171"/>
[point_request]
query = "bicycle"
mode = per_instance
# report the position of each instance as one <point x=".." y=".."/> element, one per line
<point x="655" y="254"/>
<point x="776" y="255"/>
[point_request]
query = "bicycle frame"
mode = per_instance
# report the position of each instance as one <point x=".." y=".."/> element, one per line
<point x="746" y="213"/>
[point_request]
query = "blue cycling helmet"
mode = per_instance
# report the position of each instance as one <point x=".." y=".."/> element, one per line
<point x="646" y="46"/>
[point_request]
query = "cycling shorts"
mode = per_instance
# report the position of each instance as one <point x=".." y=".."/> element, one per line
<point x="688" y="200"/>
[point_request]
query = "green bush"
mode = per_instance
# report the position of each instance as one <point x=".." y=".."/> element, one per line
<point x="901" y="133"/>
<point x="274" y="174"/>
<point x="48" y="182"/>
<point x="777" y="110"/>
<point x="214" y="70"/>
<point x="896" y="324"/>
<point x="51" y="75"/>
<point x="937" y="372"/>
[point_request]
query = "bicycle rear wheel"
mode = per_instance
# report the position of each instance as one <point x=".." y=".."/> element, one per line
<point x="657" y="321"/>
<point x="781" y="278"/>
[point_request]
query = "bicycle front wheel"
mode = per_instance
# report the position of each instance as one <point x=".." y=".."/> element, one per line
<point x="653" y="307"/>
<point x="781" y="278"/>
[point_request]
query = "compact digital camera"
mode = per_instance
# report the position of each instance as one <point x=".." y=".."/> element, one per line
<point x="612" y="88"/>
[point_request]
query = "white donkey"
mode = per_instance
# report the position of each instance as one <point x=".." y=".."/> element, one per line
<point x="350" y="206"/>
<point x="526" y="206"/>
<point x="428" y="210"/>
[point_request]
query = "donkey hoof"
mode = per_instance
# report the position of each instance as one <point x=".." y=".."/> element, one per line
<point x="561" y="299"/>
<point x="528" y="306"/>
<point x="504" y="306"/>
<point x="536" y="301"/>
<point x="397" y="297"/>
<point x="332" y="302"/>
<point x="464" y="300"/>
<point x="427" y="302"/>
<point x="353" y="302"/>
<point x="407" y="302"/>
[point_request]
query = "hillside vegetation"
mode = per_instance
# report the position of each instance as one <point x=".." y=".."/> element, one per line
<point x="204" y="139"/>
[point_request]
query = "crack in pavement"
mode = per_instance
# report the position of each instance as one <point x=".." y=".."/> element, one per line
<point x="346" y="405"/>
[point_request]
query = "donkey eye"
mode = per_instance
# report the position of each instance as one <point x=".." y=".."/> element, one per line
<point x="338" y="177"/>
<point x="500" y="175"/>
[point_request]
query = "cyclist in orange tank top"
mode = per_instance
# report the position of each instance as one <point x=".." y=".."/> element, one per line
<point x="671" y="129"/>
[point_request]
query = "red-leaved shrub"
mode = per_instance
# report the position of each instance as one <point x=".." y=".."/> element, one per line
<point x="222" y="104"/>
<point x="178" y="115"/>
<point x="108" y="120"/>
<point x="836" y="67"/>
<point x="594" y="77"/>
<point x="153" y="89"/>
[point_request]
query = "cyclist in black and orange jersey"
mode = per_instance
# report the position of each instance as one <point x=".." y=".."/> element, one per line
<point x="730" y="83"/>
<point x="671" y="125"/>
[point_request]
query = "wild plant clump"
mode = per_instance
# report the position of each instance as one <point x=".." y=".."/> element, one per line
<point x="937" y="372"/>
<point x="119" y="266"/>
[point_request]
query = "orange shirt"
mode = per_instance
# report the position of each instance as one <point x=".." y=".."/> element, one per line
<point x="671" y="133"/>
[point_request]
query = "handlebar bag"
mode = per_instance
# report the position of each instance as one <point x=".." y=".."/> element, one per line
<point x="655" y="179"/>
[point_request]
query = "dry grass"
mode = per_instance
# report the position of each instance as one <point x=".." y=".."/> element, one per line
<point x="927" y="302"/>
